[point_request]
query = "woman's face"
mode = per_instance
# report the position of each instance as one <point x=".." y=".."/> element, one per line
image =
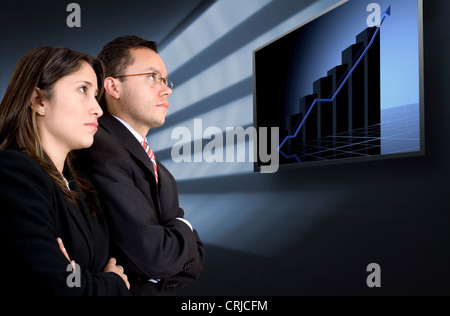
<point x="70" y="118"/>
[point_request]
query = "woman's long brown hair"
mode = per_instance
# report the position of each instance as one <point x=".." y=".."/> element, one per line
<point x="41" y="68"/>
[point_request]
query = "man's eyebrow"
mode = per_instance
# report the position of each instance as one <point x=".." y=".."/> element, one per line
<point x="152" y="69"/>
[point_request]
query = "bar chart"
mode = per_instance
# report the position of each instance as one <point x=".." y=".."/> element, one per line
<point x="345" y="103"/>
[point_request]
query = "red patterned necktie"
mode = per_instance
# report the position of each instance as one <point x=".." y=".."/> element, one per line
<point x="150" y="154"/>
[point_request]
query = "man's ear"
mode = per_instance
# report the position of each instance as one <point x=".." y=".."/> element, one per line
<point x="37" y="102"/>
<point x="112" y="87"/>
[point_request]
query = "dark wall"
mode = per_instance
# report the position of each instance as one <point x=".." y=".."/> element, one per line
<point x="392" y="212"/>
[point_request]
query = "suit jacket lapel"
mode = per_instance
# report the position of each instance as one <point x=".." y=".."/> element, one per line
<point x="131" y="144"/>
<point x="79" y="216"/>
<point x="115" y="128"/>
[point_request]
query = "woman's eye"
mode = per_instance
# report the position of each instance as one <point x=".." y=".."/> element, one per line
<point x="83" y="89"/>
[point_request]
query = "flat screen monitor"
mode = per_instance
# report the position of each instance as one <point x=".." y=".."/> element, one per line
<point x="345" y="86"/>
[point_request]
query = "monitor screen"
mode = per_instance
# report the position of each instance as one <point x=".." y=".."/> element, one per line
<point x="345" y="86"/>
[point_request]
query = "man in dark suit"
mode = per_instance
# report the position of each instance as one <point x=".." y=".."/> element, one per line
<point x="158" y="248"/>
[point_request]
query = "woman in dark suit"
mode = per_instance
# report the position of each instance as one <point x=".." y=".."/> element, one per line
<point x="53" y="236"/>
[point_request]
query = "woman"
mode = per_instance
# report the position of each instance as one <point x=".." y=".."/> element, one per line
<point x="53" y="237"/>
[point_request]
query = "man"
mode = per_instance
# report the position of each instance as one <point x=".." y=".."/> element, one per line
<point x="158" y="248"/>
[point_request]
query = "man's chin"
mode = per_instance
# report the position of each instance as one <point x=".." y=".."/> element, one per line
<point x="158" y="124"/>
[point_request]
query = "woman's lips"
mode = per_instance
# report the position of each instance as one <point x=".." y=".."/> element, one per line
<point x="92" y="125"/>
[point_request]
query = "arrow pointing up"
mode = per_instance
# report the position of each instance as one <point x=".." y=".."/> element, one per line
<point x="385" y="14"/>
<point x="388" y="11"/>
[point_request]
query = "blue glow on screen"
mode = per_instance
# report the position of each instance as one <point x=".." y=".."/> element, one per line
<point x="326" y="37"/>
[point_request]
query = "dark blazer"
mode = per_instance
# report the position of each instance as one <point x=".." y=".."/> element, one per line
<point x="33" y="215"/>
<point x="146" y="236"/>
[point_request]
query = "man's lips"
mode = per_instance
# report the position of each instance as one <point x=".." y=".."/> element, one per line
<point x="164" y="105"/>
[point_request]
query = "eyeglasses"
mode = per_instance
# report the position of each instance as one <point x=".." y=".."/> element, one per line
<point x="153" y="77"/>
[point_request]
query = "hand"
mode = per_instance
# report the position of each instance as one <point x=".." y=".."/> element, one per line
<point x="64" y="251"/>
<point x="112" y="267"/>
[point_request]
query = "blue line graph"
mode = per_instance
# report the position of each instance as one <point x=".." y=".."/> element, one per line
<point x="385" y="14"/>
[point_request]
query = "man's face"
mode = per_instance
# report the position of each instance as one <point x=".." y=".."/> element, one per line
<point x="144" y="101"/>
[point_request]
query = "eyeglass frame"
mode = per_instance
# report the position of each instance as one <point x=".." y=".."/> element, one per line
<point x="161" y="80"/>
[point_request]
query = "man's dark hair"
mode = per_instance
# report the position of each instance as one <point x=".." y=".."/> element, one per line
<point x="116" y="56"/>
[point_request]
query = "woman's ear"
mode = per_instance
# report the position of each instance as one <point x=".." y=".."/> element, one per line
<point x="111" y="87"/>
<point x="37" y="103"/>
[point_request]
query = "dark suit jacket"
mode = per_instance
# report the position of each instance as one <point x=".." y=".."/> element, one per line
<point x="33" y="215"/>
<point x="146" y="236"/>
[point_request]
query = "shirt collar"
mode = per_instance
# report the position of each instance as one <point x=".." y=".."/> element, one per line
<point x="132" y="131"/>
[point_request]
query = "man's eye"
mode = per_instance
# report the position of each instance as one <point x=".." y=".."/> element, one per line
<point x="152" y="77"/>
